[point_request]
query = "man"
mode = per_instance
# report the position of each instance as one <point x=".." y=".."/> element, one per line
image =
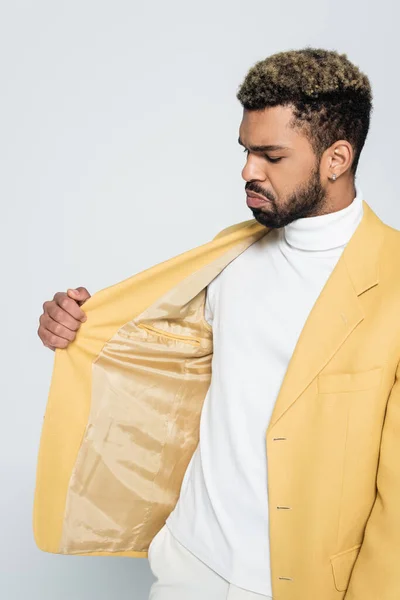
<point x="286" y="459"/>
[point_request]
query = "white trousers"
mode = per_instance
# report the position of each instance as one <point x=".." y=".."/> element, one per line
<point x="180" y="575"/>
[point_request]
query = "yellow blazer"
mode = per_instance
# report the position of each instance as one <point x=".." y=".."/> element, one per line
<point x="122" y="420"/>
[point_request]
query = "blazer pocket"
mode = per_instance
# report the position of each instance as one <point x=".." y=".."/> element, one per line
<point x="329" y="383"/>
<point x="172" y="336"/>
<point x="342" y="566"/>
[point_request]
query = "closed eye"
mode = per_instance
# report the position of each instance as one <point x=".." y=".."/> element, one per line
<point x="269" y="158"/>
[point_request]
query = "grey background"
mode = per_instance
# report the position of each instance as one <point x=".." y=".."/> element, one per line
<point x="118" y="131"/>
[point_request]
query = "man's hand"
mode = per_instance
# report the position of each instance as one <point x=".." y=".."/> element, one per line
<point x="62" y="317"/>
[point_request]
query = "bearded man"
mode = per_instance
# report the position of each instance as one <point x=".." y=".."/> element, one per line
<point x="233" y="414"/>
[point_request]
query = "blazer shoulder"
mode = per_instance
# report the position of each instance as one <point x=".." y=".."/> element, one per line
<point x="390" y="258"/>
<point x="392" y="240"/>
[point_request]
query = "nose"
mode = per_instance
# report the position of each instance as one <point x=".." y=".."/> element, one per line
<point x="253" y="170"/>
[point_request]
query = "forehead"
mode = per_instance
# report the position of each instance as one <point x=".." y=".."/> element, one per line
<point x="268" y="126"/>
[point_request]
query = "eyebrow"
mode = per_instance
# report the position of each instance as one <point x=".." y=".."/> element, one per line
<point x="270" y="148"/>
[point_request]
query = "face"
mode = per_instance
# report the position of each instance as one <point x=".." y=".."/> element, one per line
<point x="281" y="167"/>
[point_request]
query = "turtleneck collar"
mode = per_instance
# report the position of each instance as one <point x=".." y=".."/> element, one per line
<point x="325" y="232"/>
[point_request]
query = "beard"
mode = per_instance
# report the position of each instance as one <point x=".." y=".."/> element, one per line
<point x="305" y="201"/>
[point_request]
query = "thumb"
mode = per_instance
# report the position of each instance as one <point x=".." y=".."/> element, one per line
<point x="80" y="294"/>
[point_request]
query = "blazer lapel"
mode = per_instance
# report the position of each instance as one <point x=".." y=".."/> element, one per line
<point x="336" y="312"/>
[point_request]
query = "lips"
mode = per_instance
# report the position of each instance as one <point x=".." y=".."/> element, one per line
<point x="254" y="195"/>
<point x="255" y="200"/>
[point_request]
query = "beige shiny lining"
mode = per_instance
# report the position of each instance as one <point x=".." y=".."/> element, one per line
<point x="148" y="394"/>
<point x="148" y="388"/>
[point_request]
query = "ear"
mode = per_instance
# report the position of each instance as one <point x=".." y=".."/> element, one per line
<point x="337" y="160"/>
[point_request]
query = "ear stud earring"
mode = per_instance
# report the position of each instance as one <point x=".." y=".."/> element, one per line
<point x="334" y="177"/>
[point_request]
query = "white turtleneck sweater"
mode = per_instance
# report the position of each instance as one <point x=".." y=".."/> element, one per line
<point x="257" y="307"/>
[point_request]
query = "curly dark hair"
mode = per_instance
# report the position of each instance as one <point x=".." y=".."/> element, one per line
<point x="330" y="96"/>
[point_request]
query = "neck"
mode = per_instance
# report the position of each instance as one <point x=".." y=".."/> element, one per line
<point x="325" y="231"/>
<point x="340" y="194"/>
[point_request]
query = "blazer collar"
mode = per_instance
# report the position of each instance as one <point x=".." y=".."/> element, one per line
<point x="361" y="254"/>
<point x="336" y="312"/>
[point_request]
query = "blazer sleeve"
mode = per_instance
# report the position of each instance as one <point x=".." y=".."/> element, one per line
<point x="376" y="573"/>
